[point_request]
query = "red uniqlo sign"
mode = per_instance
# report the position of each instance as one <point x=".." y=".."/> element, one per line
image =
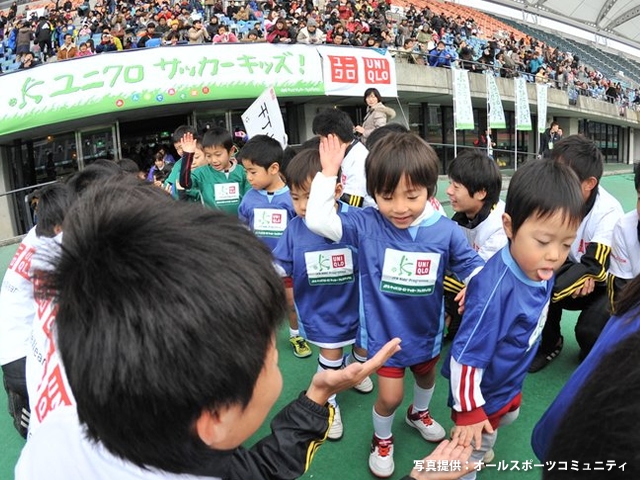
<point x="344" y="69"/>
<point x="423" y="267"/>
<point x="338" y="261"/>
<point x="276" y="218"/>
<point x="377" y="70"/>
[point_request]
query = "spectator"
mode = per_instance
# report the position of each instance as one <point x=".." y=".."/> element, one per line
<point x="197" y="33"/>
<point x="212" y="28"/>
<point x="279" y="33"/>
<point x="224" y="36"/>
<point x="311" y="34"/>
<point x="23" y="39"/>
<point x="43" y="38"/>
<point x="439" y="56"/>
<point x="68" y="49"/>
<point x="548" y="138"/>
<point x="28" y="61"/>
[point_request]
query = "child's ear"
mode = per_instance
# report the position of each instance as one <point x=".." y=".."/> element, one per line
<point x="338" y="191"/>
<point x="589" y="184"/>
<point x="506" y="224"/>
<point x="233" y="152"/>
<point x="480" y="195"/>
<point x="214" y="426"/>
<point x="274" y="168"/>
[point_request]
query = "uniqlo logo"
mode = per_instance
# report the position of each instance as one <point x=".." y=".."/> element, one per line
<point x="377" y="70"/>
<point x="21" y="262"/>
<point x="276" y="218"/>
<point x="344" y="69"/>
<point x="423" y="267"/>
<point x="232" y="190"/>
<point x="338" y="261"/>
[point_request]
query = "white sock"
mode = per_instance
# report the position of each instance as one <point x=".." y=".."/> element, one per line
<point x="326" y="364"/>
<point x="294" y="333"/>
<point x="382" y="425"/>
<point x="421" y="398"/>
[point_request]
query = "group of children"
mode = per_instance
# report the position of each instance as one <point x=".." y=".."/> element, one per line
<point x="379" y="266"/>
<point x="363" y="276"/>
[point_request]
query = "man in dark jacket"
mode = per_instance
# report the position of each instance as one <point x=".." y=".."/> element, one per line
<point x="43" y="38"/>
<point x="547" y="139"/>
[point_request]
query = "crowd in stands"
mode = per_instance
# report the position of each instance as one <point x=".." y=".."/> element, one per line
<point x="416" y="36"/>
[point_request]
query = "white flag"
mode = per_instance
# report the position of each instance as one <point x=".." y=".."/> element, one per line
<point x="496" y="112"/>
<point x="263" y="117"/>
<point x="523" y="114"/>
<point x="462" y="100"/>
<point x="542" y="90"/>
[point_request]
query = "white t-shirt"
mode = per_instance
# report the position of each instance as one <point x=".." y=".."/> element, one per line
<point x="625" y="249"/>
<point x="489" y="236"/>
<point x="17" y="306"/>
<point x="61" y="451"/>
<point x="597" y="226"/>
<point x="353" y="177"/>
<point x="47" y="382"/>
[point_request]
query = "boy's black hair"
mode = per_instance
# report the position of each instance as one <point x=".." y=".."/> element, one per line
<point x="332" y="120"/>
<point x="543" y="188"/>
<point x="80" y="181"/>
<point x="476" y="171"/>
<point x="303" y="167"/>
<point x="144" y="360"/>
<point x="375" y="136"/>
<point x="179" y="132"/>
<point x="128" y="166"/>
<point x="217" y="137"/>
<point x="262" y="150"/>
<point x="610" y="388"/>
<point x="397" y="155"/>
<point x="53" y="203"/>
<point x="581" y="154"/>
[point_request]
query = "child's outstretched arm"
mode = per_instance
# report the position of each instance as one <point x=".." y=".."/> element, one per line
<point x="469" y="415"/>
<point x="321" y="216"/>
<point x="188" y="149"/>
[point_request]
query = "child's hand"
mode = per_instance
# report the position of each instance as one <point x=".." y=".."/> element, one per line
<point x="188" y="143"/>
<point x="331" y="154"/>
<point x="327" y="382"/>
<point x="459" y="299"/>
<point x="465" y="434"/>
<point x="447" y="451"/>
<point x="587" y="288"/>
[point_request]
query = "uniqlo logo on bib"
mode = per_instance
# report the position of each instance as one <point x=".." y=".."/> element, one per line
<point x="423" y="267"/>
<point x="232" y="190"/>
<point x="276" y="218"/>
<point x="338" y="261"/>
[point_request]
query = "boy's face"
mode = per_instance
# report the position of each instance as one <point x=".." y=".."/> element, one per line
<point x="541" y="245"/>
<point x="159" y="163"/>
<point x="261" y="178"/>
<point x="300" y="196"/>
<point x="199" y="159"/>
<point x="218" y="157"/>
<point x="404" y="205"/>
<point x="462" y="202"/>
<point x="178" y="147"/>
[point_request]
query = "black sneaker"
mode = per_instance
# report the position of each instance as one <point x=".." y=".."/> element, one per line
<point x="543" y="359"/>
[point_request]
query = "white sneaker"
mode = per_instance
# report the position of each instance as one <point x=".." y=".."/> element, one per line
<point x="381" y="457"/>
<point x="365" y="386"/>
<point x="430" y="430"/>
<point x="336" y="429"/>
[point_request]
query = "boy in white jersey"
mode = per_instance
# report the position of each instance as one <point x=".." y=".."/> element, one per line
<point x="581" y="282"/>
<point x="625" y="249"/>
<point x="474" y="188"/>
<point x="18" y="305"/>
<point x="404" y="247"/>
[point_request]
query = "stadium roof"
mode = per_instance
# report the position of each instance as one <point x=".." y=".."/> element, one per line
<point x="618" y="19"/>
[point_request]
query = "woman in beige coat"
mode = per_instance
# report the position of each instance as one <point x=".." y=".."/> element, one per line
<point x="377" y="114"/>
